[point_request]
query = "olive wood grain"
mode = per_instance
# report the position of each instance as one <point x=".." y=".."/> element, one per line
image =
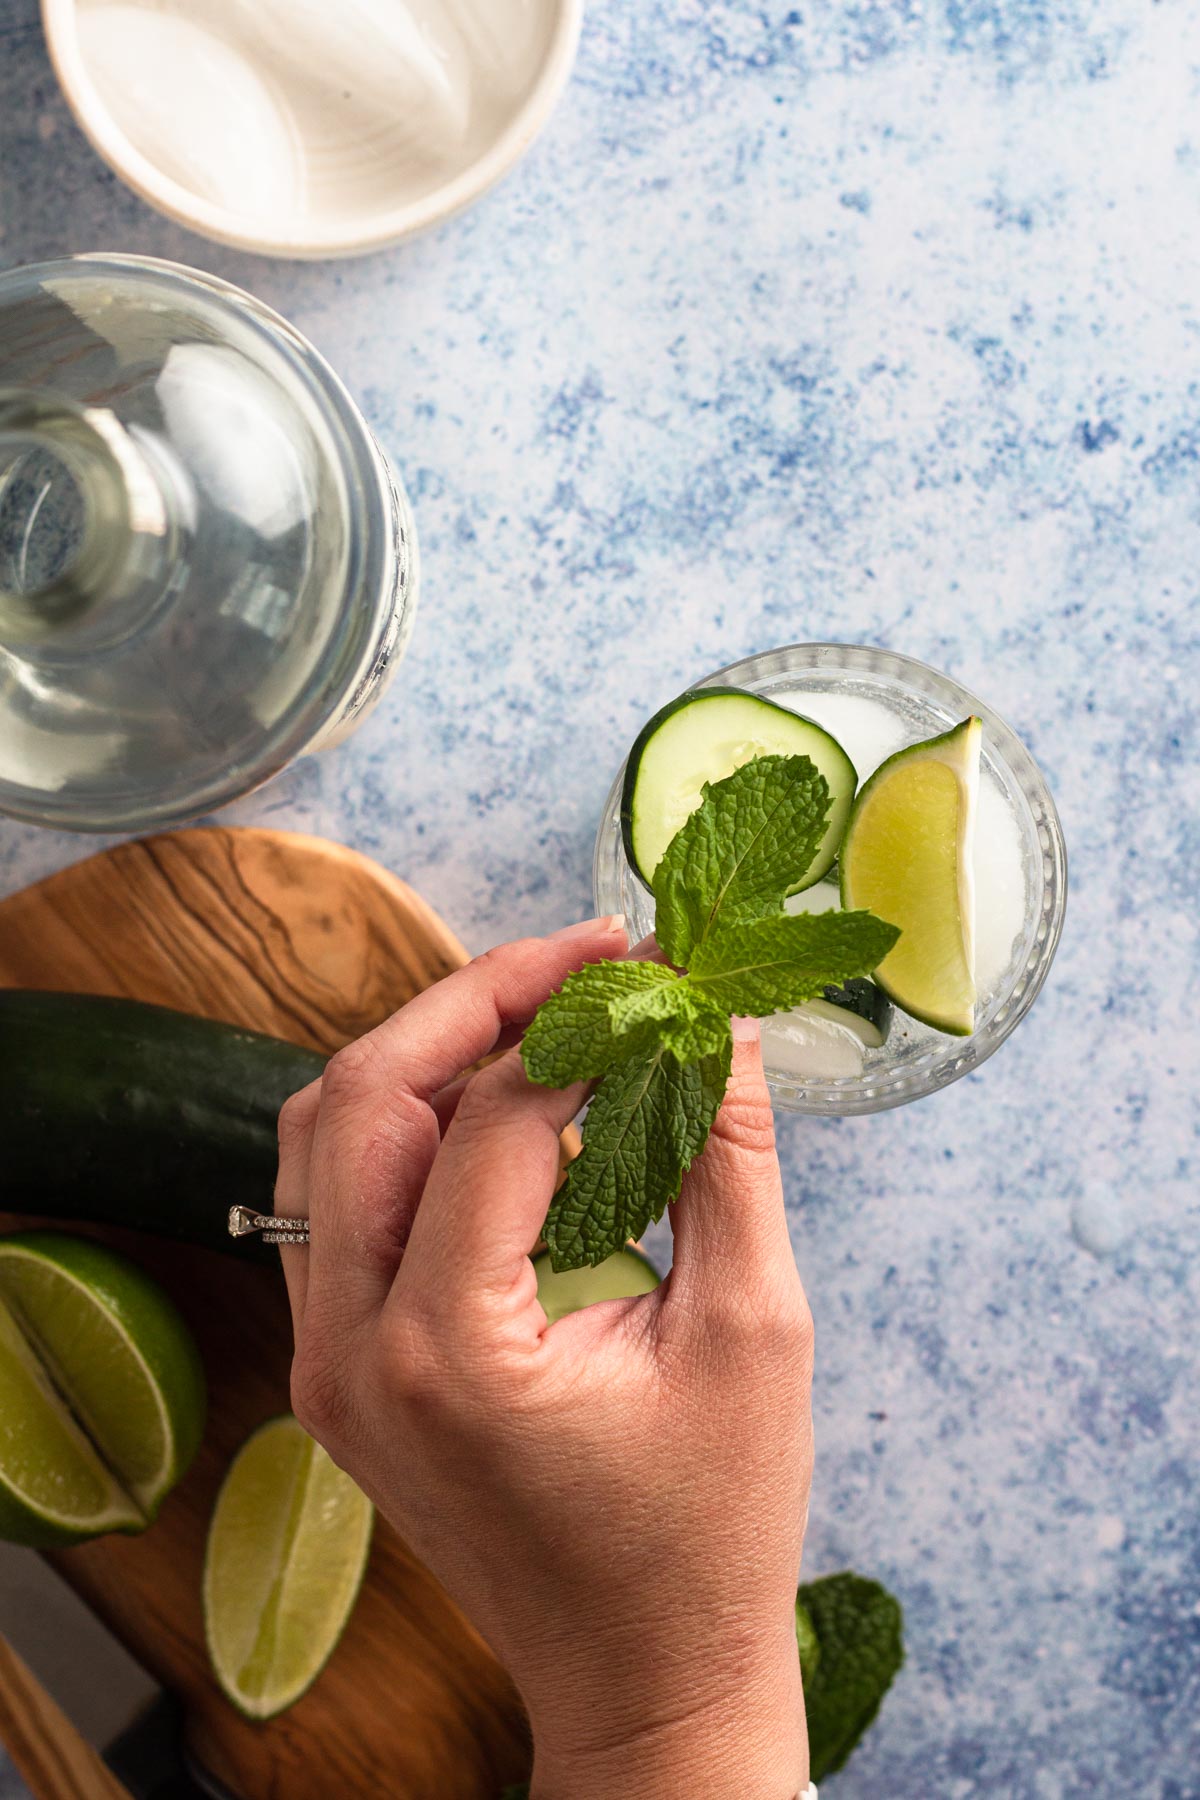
<point x="312" y="942"/>
<point x="47" y="1749"/>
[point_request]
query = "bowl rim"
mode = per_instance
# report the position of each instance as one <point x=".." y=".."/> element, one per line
<point x="170" y="197"/>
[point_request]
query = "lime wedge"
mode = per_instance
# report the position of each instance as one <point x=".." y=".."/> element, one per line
<point x="101" y="1391"/>
<point x="624" y="1274"/>
<point x="908" y="855"/>
<point x="287" y="1548"/>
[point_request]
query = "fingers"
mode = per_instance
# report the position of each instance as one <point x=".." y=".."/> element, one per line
<point x="445" y="1104"/>
<point x="377" y="1131"/>
<point x="372" y="1153"/>
<point x="730" y="1229"/>
<point x="297" y="1125"/>
<point x="460" y="1019"/>
<point x="487" y="1196"/>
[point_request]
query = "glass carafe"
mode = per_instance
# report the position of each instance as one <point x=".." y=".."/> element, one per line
<point x="207" y="567"/>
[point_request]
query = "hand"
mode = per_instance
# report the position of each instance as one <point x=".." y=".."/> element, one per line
<point x="617" y="1501"/>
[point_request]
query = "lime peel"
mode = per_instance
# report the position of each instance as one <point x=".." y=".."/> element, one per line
<point x="101" y="1391"/>
<point x="909" y="855"/>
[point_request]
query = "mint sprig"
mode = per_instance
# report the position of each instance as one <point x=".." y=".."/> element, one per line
<point x="591" y="1024"/>
<point x="741" y="853"/>
<point x="658" y="1038"/>
<point x="610" y="1013"/>
<point x="857" y="1628"/>
<point x="648" y="1119"/>
<point x="765" y="966"/>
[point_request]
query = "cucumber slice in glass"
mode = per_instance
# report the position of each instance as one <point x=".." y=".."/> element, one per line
<point x="705" y="735"/>
<point x="623" y="1275"/>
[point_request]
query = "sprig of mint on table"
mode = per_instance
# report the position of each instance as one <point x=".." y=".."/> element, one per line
<point x="657" y="1039"/>
<point x="851" y="1636"/>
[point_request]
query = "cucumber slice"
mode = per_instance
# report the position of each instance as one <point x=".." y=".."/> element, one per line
<point x="822" y="896"/>
<point x="625" y="1274"/>
<point x="705" y="735"/>
<point x="859" y="1006"/>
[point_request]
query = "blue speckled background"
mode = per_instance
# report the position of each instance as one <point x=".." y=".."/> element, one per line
<point x="876" y="321"/>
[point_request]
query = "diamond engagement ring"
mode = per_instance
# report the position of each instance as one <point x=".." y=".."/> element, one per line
<point x="275" y="1231"/>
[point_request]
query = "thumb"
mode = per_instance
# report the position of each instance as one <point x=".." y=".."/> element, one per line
<point x="730" y="1229"/>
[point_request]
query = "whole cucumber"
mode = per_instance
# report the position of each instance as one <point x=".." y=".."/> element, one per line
<point x="139" y="1116"/>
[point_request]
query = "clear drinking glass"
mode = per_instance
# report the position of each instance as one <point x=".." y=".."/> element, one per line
<point x="207" y="567"/>
<point x="902" y="701"/>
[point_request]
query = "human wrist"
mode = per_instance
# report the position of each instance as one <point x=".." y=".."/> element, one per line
<point x="746" y="1741"/>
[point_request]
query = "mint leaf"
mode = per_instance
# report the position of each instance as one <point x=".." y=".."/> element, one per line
<point x="761" y="966"/>
<point x="649" y="1118"/>
<point x="745" y="848"/>
<point x="676" y="1015"/>
<point x="578" y="1034"/>
<point x="859" y="1628"/>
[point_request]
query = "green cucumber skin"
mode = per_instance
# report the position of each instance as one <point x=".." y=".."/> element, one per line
<point x="137" y="1116"/>
<point x="650" y="729"/>
<point x="866" y="998"/>
<point x="634" y="760"/>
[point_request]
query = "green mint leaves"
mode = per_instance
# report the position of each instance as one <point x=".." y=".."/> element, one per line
<point x="658" y="1038"/>
<point x="590" y="1025"/>
<point x="648" y="1119"/>
<point x="768" y="965"/>
<point x="850" y="1632"/>
<point x="609" y="1013"/>
<point x="741" y="852"/>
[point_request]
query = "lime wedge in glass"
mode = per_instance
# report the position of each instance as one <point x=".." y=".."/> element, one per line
<point x="286" y="1553"/>
<point x="908" y="855"/>
<point x="101" y="1391"/>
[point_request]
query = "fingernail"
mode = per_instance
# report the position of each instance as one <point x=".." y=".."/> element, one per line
<point x="590" y="928"/>
<point x="745" y="1031"/>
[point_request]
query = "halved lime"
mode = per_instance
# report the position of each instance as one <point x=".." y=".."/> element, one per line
<point x="625" y="1274"/>
<point x="101" y="1391"/>
<point x="908" y="856"/>
<point x="286" y="1553"/>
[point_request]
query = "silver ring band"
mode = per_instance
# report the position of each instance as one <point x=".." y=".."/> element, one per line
<point x="242" y="1221"/>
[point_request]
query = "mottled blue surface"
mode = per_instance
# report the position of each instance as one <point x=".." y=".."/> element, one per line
<point x="872" y="321"/>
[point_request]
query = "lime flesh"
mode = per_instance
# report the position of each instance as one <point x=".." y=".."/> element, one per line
<point x="908" y="856"/>
<point x="53" y="1483"/>
<point x="101" y="1391"/>
<point x="287" y="1548"/>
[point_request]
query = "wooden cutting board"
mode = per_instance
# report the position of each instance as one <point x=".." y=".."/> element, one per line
<point x="312" y="942"/>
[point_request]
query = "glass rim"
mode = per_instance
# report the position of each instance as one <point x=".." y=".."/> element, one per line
<point x="949" y="1058"/>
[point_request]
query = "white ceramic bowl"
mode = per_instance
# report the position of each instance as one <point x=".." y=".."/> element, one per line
<point x="350" y="234"/>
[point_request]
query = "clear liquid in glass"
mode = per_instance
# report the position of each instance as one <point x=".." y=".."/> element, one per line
<point x="206" y="566"/>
